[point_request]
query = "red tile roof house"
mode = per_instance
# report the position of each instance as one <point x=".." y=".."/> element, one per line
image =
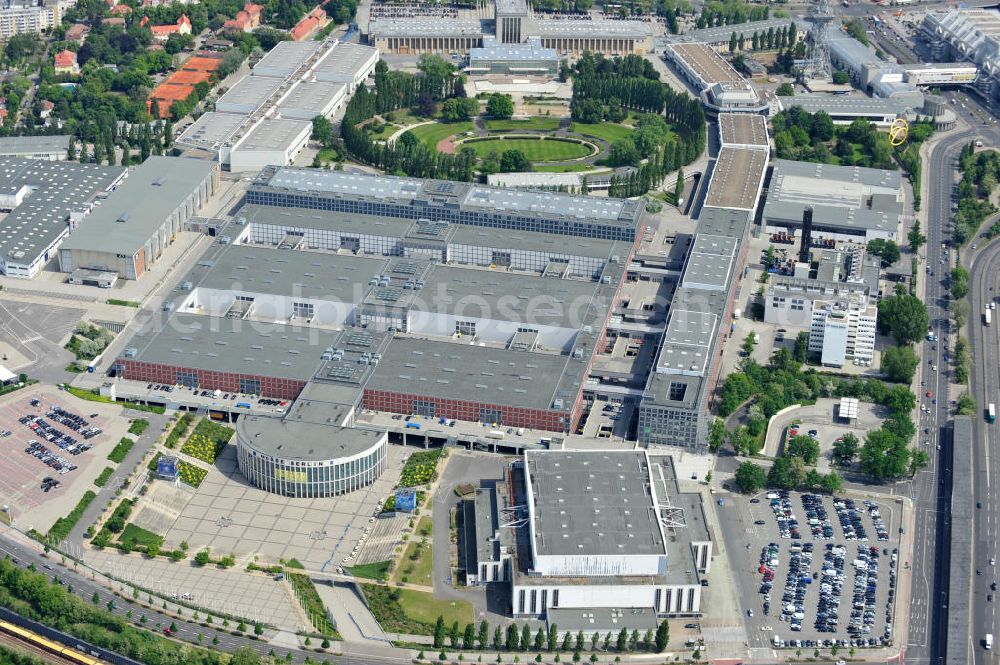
<point x="77" y="33"/>
<point x="161" y="33"/>
<point x="246" y="19"/>
<point x="65" y="63"/>
<point x="313" y="21"/>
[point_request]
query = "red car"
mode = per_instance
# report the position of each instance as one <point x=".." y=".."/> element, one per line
<point x="167" y="631"/>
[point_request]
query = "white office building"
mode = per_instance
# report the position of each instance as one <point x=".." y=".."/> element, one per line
<point x="842" y="330"/>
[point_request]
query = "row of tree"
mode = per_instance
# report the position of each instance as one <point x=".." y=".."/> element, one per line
<point x="730" y="12"/>
<point x="513" y="639"/>
<point x="765" y="41"/>
<point x="980" y="175"/>
<point x="396" y="90"/>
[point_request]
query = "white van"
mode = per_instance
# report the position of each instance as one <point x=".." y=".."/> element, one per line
<point x="988" y="641"/>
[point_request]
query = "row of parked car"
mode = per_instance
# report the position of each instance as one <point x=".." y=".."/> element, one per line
<point x="817" y="517"/>
<point x="56" y="462"/>
<point x="881" y="530"/>
<point x="830" y="588"/>
<point x="863" y="608"/>
<point x="781" y="506"/>
<point x="72" y="421"/>
<point x="43" y="429"/>
<point x="793" y="600"/>
<point x="850" y="520"/>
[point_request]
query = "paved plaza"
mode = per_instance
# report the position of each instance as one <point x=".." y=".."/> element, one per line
<point x="253" y="596"/>
<point x="228" y="515"/>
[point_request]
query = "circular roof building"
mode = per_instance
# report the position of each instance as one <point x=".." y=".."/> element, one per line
<point x="304" y="459"/>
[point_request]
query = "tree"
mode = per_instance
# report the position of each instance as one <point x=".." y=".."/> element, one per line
<point x="841" y="78"/>
<point x="622" y="642"/>
<point x="453" y="635"/>
<point x="918" y="461"/>
<point x="804" y="447"/>
<point x="513" y="637"/>
<point x="733" y="43"/>
<point x="800" y="351"/>
<point x="783" y="474"/>
<point x="459" y="108"/>
<point x="679" y="186"/>
<point x="822" y="126"/>
<point x="500" y="106"/>
<point x="322" y="130"/>
<point x="469" y="637"/>
<point x="750" y="477"/>
<point x="425" y="106"/>
<point x="915" y="237"/>
<point x="886" y="250"/>
<point x="884" y="455"/>
<point x="497" y="637"/>
<point x="623" y="153"/>
<point x="716" y="434"/>
<point x="439" y="632"/>
<point x="959" y="283"/>
<point x="785" y="90"/>
<point x="525" y="637"/>
<point x="662" y="636"/>
<point x="567" y="641"/>
<point x="899" y="363"/>
<point x="966" y="405"/>
<point x="904" y="316"/>
<point x="245" y="656"/>
<point x="484" y="631"/>
<point x="832" y="483"/>
<point x="514" y="161"/>
<point x="539" y="639"/>
<point x="845" y="448"/>
<point x="202" y="558"/>
<point x="552" y="637"/>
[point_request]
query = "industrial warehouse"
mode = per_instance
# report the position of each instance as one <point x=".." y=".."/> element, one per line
<point x="578" y="532"/>
<point x="266" y="117"/>
<point x="46" y="200"/>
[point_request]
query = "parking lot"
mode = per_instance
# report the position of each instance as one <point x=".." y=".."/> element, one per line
<point x="814" y="570"/>
<point x="45" y="433"/>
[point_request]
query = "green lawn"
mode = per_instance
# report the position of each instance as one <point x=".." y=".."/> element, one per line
<point x="136" y="535"/>
<point x="371" y="571"/>
<point x="416" y="566"/>
<point x="608" y="131"/>
<point x="536" y="150"/>
<point x="425" y="608"/>
<point x="537" y="123"/>
<point x="431" y="135"/>
<point x="383" y="132"/>
<point x="102" y="479"/>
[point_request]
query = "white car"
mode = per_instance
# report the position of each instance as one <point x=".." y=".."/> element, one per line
<point x="934" y="367"/>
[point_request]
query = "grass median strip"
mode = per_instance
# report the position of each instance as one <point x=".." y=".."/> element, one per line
<point x="102" y="479"/>
<point x="119" y="452"/>
<point x="64" y="525"/>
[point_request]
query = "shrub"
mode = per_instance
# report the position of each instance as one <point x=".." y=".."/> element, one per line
<point x="190" y="474"/>
<point x="119" y="452"/>
<point x="104" y="476"/>
<point x="64" y="525"/>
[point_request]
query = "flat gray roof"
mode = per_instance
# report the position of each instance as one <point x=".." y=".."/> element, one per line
<point x="287" y="56"/>
<point x="460" y="371"/>
<point x="305" y="218"/>
<point x="673" y="390"/>
<point x="141" y="204"/>
<point x="494" y="51"/>
<point x="15" y="146"/>
<point x="289" y="439"/>
<point x="747" y="129"/>
<point x="843" y="104"/>
<point x="537" y="241"/>
<point x="512" y="7"/>
<point x="346" y="58"/>
<point x="312" y="96"/>
<point x="392" y="26"/>
<point x="723" y="222"/>
<point x="597" y="28"/>
<point x="251" y="90"/>
<point x="710" y="263"/>
<point x="310" y="275"/>
<point x="233" y="345"/>
<point x="486" y="525"/>
<point x="706" y="63"/>
<point x="602" y="619"/>
<point x="736" y="178"/>
<point x="594" y="503"/>
<point x="843" y="197"/>
<point x="58" y="188"/>
<point x="274" y="134"/>
<point x="211" y="131"/>
<point x="441" y="193"/>
<point x="687" y="341"/>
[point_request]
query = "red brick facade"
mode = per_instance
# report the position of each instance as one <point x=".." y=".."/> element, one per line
<point x="210" y="380"/>
<point x="544" y="419"/>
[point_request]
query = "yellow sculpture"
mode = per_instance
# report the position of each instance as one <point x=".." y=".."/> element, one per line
<point x="898" y="132"/>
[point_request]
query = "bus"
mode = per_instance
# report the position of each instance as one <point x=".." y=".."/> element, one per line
<point x="991" y="413"/>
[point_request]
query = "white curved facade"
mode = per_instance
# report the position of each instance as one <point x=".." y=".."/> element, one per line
<point x="262" y="460"/>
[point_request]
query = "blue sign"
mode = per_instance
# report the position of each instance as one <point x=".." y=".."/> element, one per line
<point x="406" y="500"/>
<point x="166" y="467"/>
